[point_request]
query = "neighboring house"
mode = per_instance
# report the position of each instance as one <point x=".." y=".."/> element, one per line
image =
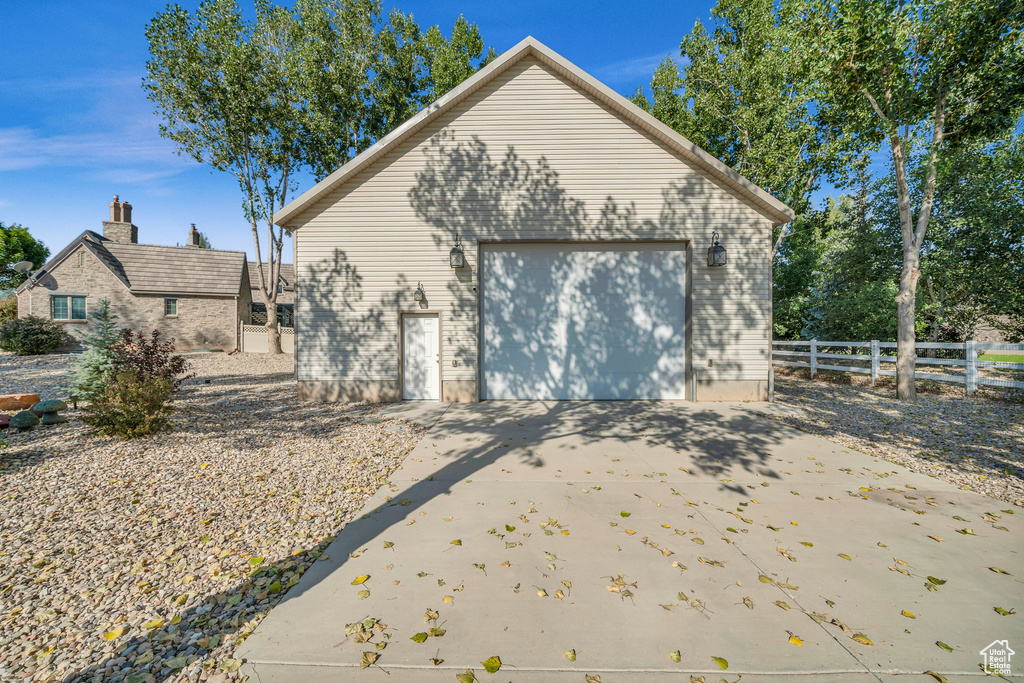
<point x="584" y="224"/>
<point x="285" y="295"/>
<point x="197" y="296"/>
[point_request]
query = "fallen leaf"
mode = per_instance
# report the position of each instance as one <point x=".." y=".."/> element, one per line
<point x="908" y="615"/>
<point x="359" y="580"/>
<point x="448" y="598"/>
<point x="156" y="623"/>
<point x="862" y="639"/>
<point x="765" y="579"/>
<point x="367" y="659"/>
<point x="997" y="570"/>
<point x="795" y="640"/>
<point x="939" y="539"/>
<point x="675" y="656"/>
<point x="845" y="556"/>
<point x="937" y="582"/>
<point x="937" y="676"/>
<point x="571" y="655"/>
<point x="945" y="647"/>
<point x="436" y="662"/>
<point x="541" y="593"/>
<point x="781" y="604"/>
<point x="363" y="593"/>
<point x="431" y="615"/>
<point x="591" y="678"/>
<point x="722" y="662"/>
<point x="436" y="632"/>
<point x="419" y="638"/>
<point x="491" y="664"/>
<point x="466" y="676"/>
<point x="114" y="634"/>
<point x="698" y="541"/>
<point x="624" y="514"/>
<point x="1003" y="612"/>
<point x="748" y="602"/>
<point x="713" y="563"/>
<point x="457" y="541"/>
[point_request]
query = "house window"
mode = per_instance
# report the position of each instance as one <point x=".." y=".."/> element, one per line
<point x="280" y="288"/>
<point x="170" y="308"/>
<point x="67" y="307"/>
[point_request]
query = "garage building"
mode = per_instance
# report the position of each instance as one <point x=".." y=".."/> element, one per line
<point x="533" y="235"/>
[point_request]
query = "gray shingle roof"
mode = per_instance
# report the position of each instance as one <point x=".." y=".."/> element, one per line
<point x="152" y="269"/>
<point x="287" y="274"/>
<point x="179" y="270"/>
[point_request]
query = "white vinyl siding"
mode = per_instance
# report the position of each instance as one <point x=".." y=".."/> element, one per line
<point x="529" y="156"/>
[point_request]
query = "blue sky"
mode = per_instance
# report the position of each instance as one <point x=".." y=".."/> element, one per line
<point x="76" y="128"/>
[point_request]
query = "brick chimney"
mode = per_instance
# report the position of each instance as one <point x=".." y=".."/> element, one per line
<point x="119" y="228"/>
<point x="193" y="237"/>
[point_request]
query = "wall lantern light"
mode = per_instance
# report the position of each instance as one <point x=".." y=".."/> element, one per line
<point x="419" y="295"/>
<point x="457" y="258"/>
<point x="716" y="253"/>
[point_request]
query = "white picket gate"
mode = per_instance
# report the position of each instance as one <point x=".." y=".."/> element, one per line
<point x="253" y="339"/>
<point x="840" y="357"/>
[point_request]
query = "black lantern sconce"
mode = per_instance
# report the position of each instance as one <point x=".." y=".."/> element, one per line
<point x="419" y="295"/>
<point x="716" y="253"/>
<point x="457" y="258"/>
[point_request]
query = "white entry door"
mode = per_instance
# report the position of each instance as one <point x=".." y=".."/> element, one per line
<point x="421" y="361"/>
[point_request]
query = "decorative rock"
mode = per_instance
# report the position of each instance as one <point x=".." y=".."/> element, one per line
<point x="52" y="419"/>
<point x="26" y="419"/>
<point x="53" y="405"/>
<point x="18" y="401"/>
<point x="4" y="420"/>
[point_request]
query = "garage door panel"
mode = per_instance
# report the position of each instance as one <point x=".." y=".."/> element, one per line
<point x="583" y="321"/>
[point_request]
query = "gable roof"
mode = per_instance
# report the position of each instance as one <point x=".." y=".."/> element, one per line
<point x="153" y="269"/>
<point x="761" y="200"/>
<point x="287" y="274"/>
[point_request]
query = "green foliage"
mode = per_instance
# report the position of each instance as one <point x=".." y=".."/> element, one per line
<point x="31" y="336"/>
<point x="854" y="285"/>
<point x="204" y="241"/>
<point x="747" y="95"/>
<point x="93" y="368"/>
<point x="973" y="263"/>
<point x="8" y="308"/>
<point x="16" y="244"/>
<point x="130" y="407"/>
<point x="308" y="86"/>
<point x="926" y="74"/>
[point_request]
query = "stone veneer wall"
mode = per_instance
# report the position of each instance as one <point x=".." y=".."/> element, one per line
<point x="202" y="321"/>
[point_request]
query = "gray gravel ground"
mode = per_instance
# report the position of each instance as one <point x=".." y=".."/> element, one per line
<point x="976" y="443"/>
<point x="152" y="559"/>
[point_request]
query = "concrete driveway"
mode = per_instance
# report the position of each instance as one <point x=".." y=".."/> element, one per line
<point x="651" y="541"/>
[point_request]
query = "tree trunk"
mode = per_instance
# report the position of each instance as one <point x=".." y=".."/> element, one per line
<point x="273" y="332"/>
<point x="906" y="336"/>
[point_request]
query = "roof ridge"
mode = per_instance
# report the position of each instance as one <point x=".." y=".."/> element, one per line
<point x="744" y="189"/>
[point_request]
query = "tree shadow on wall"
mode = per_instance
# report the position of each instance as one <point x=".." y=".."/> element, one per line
<point x="619" y="309"/>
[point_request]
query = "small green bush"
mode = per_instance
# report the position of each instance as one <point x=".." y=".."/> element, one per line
<point x="8" y="308"/>
<point x="31" y="336"/>
<point x="131" y="407"/>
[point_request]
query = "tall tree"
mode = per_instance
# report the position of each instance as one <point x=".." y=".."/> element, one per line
<point x="309" y="87"/>
<point x="219" y="85"/>
<point x="949" y="70"/>
<point x="16" y="244"/>
<point x="746" y="94"/>
<point x="972" y="265"/>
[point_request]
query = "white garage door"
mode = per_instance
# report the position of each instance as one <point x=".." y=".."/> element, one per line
<point x="578" y="321"/>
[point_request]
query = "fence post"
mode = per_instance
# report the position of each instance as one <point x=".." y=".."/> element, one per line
<point x="875" y="363"/>
<point x="972" y="365"/>
<point x="814" y="357"/>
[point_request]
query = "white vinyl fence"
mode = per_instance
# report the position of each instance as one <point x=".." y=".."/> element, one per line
<point x="253" y="339"/>
<point x="951" y="362"/>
